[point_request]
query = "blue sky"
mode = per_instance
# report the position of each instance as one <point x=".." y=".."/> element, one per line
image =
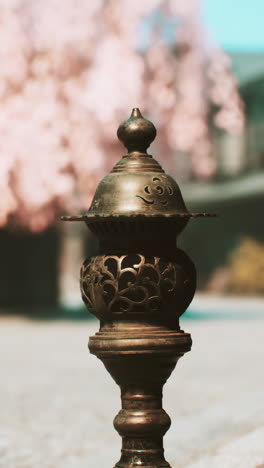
<point x="236" y="24"/>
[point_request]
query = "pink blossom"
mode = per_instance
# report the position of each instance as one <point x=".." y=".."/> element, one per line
<point x="70" y="73"/>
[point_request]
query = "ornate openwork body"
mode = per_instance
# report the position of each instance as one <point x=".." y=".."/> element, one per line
<point x="138" y="286"/>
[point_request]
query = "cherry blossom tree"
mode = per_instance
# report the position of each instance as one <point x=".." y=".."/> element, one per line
<point x="70" y="73"/>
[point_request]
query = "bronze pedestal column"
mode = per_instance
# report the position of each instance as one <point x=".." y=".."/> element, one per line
<point x="138" y="286"/>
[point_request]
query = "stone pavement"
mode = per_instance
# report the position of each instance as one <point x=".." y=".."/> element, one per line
<point x="58" y="402"/>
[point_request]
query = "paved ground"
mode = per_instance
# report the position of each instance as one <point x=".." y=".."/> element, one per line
<point x="58" y="402"/>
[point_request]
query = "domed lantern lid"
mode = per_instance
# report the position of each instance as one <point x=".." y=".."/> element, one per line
<point x="137" y="186"/>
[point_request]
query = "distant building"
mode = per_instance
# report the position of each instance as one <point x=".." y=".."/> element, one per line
<point x="244" y="154"/>
<point x="236" y="193"/>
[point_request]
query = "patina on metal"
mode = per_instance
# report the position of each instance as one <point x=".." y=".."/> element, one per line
<point x="138" y="286"/>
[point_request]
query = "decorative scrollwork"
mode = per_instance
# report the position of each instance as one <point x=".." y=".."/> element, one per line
<point x="157" y="191"/>
<point x="132" y="283"/>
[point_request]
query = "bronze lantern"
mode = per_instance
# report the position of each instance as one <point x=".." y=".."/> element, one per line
<point x="138" y="285"/>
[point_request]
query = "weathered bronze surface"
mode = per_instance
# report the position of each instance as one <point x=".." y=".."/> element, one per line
<point x="138" y="286"/>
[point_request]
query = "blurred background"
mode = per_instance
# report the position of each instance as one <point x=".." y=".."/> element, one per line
<point x="70" y="73"/>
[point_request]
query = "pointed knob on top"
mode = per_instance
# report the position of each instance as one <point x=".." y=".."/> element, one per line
<point x="136" y="133"/>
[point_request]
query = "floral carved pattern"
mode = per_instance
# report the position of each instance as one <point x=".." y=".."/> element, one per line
<point x="131" y="283"/>
<point x="157" y="191"/>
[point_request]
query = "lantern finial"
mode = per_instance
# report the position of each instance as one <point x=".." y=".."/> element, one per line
<point x="136" y="133"/>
